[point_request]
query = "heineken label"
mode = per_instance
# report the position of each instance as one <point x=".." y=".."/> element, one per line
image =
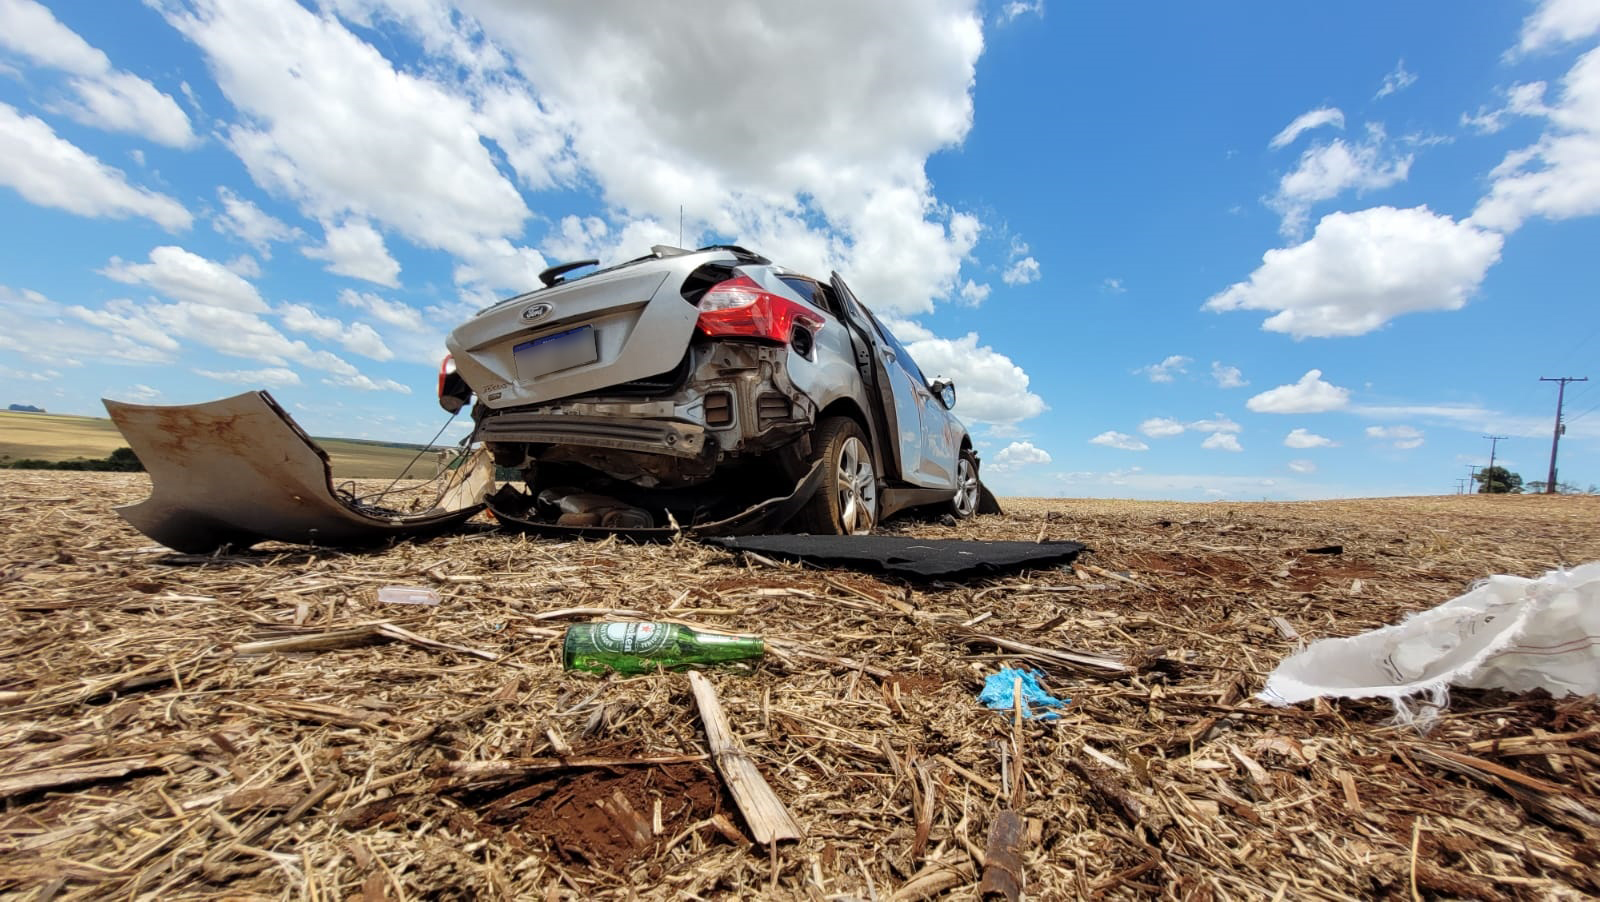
<point x="632" y="638"/>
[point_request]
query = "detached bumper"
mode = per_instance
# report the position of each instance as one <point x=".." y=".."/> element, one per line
<point x="240" y="471"/>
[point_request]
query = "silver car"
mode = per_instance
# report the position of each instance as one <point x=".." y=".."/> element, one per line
<point x="685" y="385"/>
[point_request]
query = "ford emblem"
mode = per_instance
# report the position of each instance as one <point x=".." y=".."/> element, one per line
<point x="536" y="312"/>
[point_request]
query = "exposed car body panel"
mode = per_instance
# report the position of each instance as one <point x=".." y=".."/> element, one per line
<point x="240" y="471"/>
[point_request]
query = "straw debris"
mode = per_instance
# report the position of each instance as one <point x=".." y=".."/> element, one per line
<point x="256" y="724"/>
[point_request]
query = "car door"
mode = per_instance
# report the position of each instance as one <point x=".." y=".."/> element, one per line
<point x="936" y="451"/>
<point x="894" y="411"/>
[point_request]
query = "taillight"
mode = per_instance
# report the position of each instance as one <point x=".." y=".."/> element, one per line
<point x="741" y="308"/>
<point x="447" y="366"/>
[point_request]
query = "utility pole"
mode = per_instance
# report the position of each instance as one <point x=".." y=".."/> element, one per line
<point x="1472" y="475"/>
<point x="1561" y="394"/>
<point x="1461" y="486"/>
<point x="1494" y="442"/>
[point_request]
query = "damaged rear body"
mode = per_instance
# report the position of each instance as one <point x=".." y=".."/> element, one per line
<point x="684" y="387"/>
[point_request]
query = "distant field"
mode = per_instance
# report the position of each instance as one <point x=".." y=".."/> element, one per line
<point x="49" y="436"/>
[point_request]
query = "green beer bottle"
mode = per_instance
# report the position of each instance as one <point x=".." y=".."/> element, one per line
<point x="646" y="646"/>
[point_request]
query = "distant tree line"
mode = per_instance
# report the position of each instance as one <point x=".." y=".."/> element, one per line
<point x="26" y="408"/>
<point x="122" y="460"/>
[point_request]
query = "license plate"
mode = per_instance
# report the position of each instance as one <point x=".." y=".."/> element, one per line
<point x="552" y="353"/>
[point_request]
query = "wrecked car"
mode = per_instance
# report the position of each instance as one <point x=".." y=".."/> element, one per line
<point x="685" y="386"/>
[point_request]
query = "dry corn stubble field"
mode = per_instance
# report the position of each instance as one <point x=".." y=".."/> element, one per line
<point x="144" y="753"/>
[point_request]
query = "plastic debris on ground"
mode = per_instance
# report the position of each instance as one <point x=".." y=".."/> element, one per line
<point x="407" y="595"/>
<point x="999" y="693"/>
<point x="1509" y="633"/>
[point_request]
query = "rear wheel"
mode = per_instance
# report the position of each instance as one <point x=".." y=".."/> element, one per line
<point x="968" y="487"/>
<point x="846" y="503"/>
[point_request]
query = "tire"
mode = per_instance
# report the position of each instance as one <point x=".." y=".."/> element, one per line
<point x="846" y="503"/>
<point x="969" y="488"/>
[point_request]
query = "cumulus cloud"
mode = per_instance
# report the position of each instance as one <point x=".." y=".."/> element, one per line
<point x="1167" y="370"/>
<point x="249" y="223"/>
<point x="1219" y="423"/>
<point x="50" y="171"/>
<point x="1403" y="438"/>
<point x="271" y="377"/>
<point x="1120" y="440"/>
<point x="1161" y="427"/>
<point x="1304" y="438"/>
<point x="1221" y="441"/>
<point x="1310" y="395"/>
<point x="1305" y="122"/>
<point x="1556" y="177"/>
<point x="990" y="388"/>
<point x="1360" y="270"/>
<point x="1398" y="80"/>
<point x="1021" y="272"/>
<point x="185" y="276"/>
<point x="105" y="97"/>
<point x="1559" y="22"/>
<point x="1326" y="171"/>
<point x="973" y="293"/>
<point x="355" y="249"/>
<point x="358" y="338"/>
<point x="1303" y="466"/>
<point x="1227" y="376"/>
<point x="1017" y="455"/>
<point x="55" y="334"/>
<point x="393" y="313"/>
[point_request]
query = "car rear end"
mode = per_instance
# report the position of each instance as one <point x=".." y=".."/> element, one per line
<point x="660" y="373"/>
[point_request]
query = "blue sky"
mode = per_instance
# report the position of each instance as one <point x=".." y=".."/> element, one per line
<point x="1166" y="250"/>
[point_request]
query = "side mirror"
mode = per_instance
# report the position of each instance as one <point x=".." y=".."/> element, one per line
<point x="945" y="391"/>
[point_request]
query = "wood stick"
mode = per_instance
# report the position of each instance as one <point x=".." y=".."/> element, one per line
<point x="1002" y="858"/>
<point x="768" y="820"/>
<point x="1074" y="659"/>
<point x="79" y="772"/>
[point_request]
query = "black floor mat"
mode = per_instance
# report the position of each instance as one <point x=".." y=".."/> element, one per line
<point x="907" y="557"/>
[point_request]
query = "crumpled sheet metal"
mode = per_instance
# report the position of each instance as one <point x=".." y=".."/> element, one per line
<point x="906" y="556"/>
<point x="513" y="507"/>
<point x="239" y="471"/>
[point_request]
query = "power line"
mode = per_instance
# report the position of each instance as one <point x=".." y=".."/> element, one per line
<point x="1555" y="441"/>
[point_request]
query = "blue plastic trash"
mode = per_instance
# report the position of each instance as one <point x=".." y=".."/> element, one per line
<point x="997" y="691"/>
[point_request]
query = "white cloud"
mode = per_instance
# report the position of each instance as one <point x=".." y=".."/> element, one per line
<point x="1016" y="9"/>
<point x="1021" y="272"/>
<point x="184" y="276"/>
<point x="327" y="121"/>
<point x="973" y="293"/>
<point x="138" y="393"/>
<point x="1017" y="455"/>
<point x="50" y="171"/>
<point x="1166" y="370"/>
<point x="1398" y="80"/>
<point x="1120" y="440"/>
<point x="1360" y="270"/>
<point x="1310" y="395"/>
<point x="1113" y="286"/>
<point x="1227" y="376"/>
<point x="393" y="313"/>
<point x="1521" y="100"/>
<point x="54" y="334"/>
<point x="250" y="224"/>
<point x="1303" y="438"/>
<point x="106" y="98"/>
<point x="271" y="377"/>
<point x="1304" y="123"/>
<point x="1402" y="437"/>
<point x="1221" y="441"/>
<point x="1558" y="177"/>
<point x="1327" y="170"/>
<point x="361" y="382"/>
<point x="1161" y="427"/>
<point x="990" y="388"/>
<point x="1303" y="466"/>
<point x="354" y="248"/>
<point x="1219" y="424"/>
<point x="1559" y="22"/>
<point x="359" y="338"/>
